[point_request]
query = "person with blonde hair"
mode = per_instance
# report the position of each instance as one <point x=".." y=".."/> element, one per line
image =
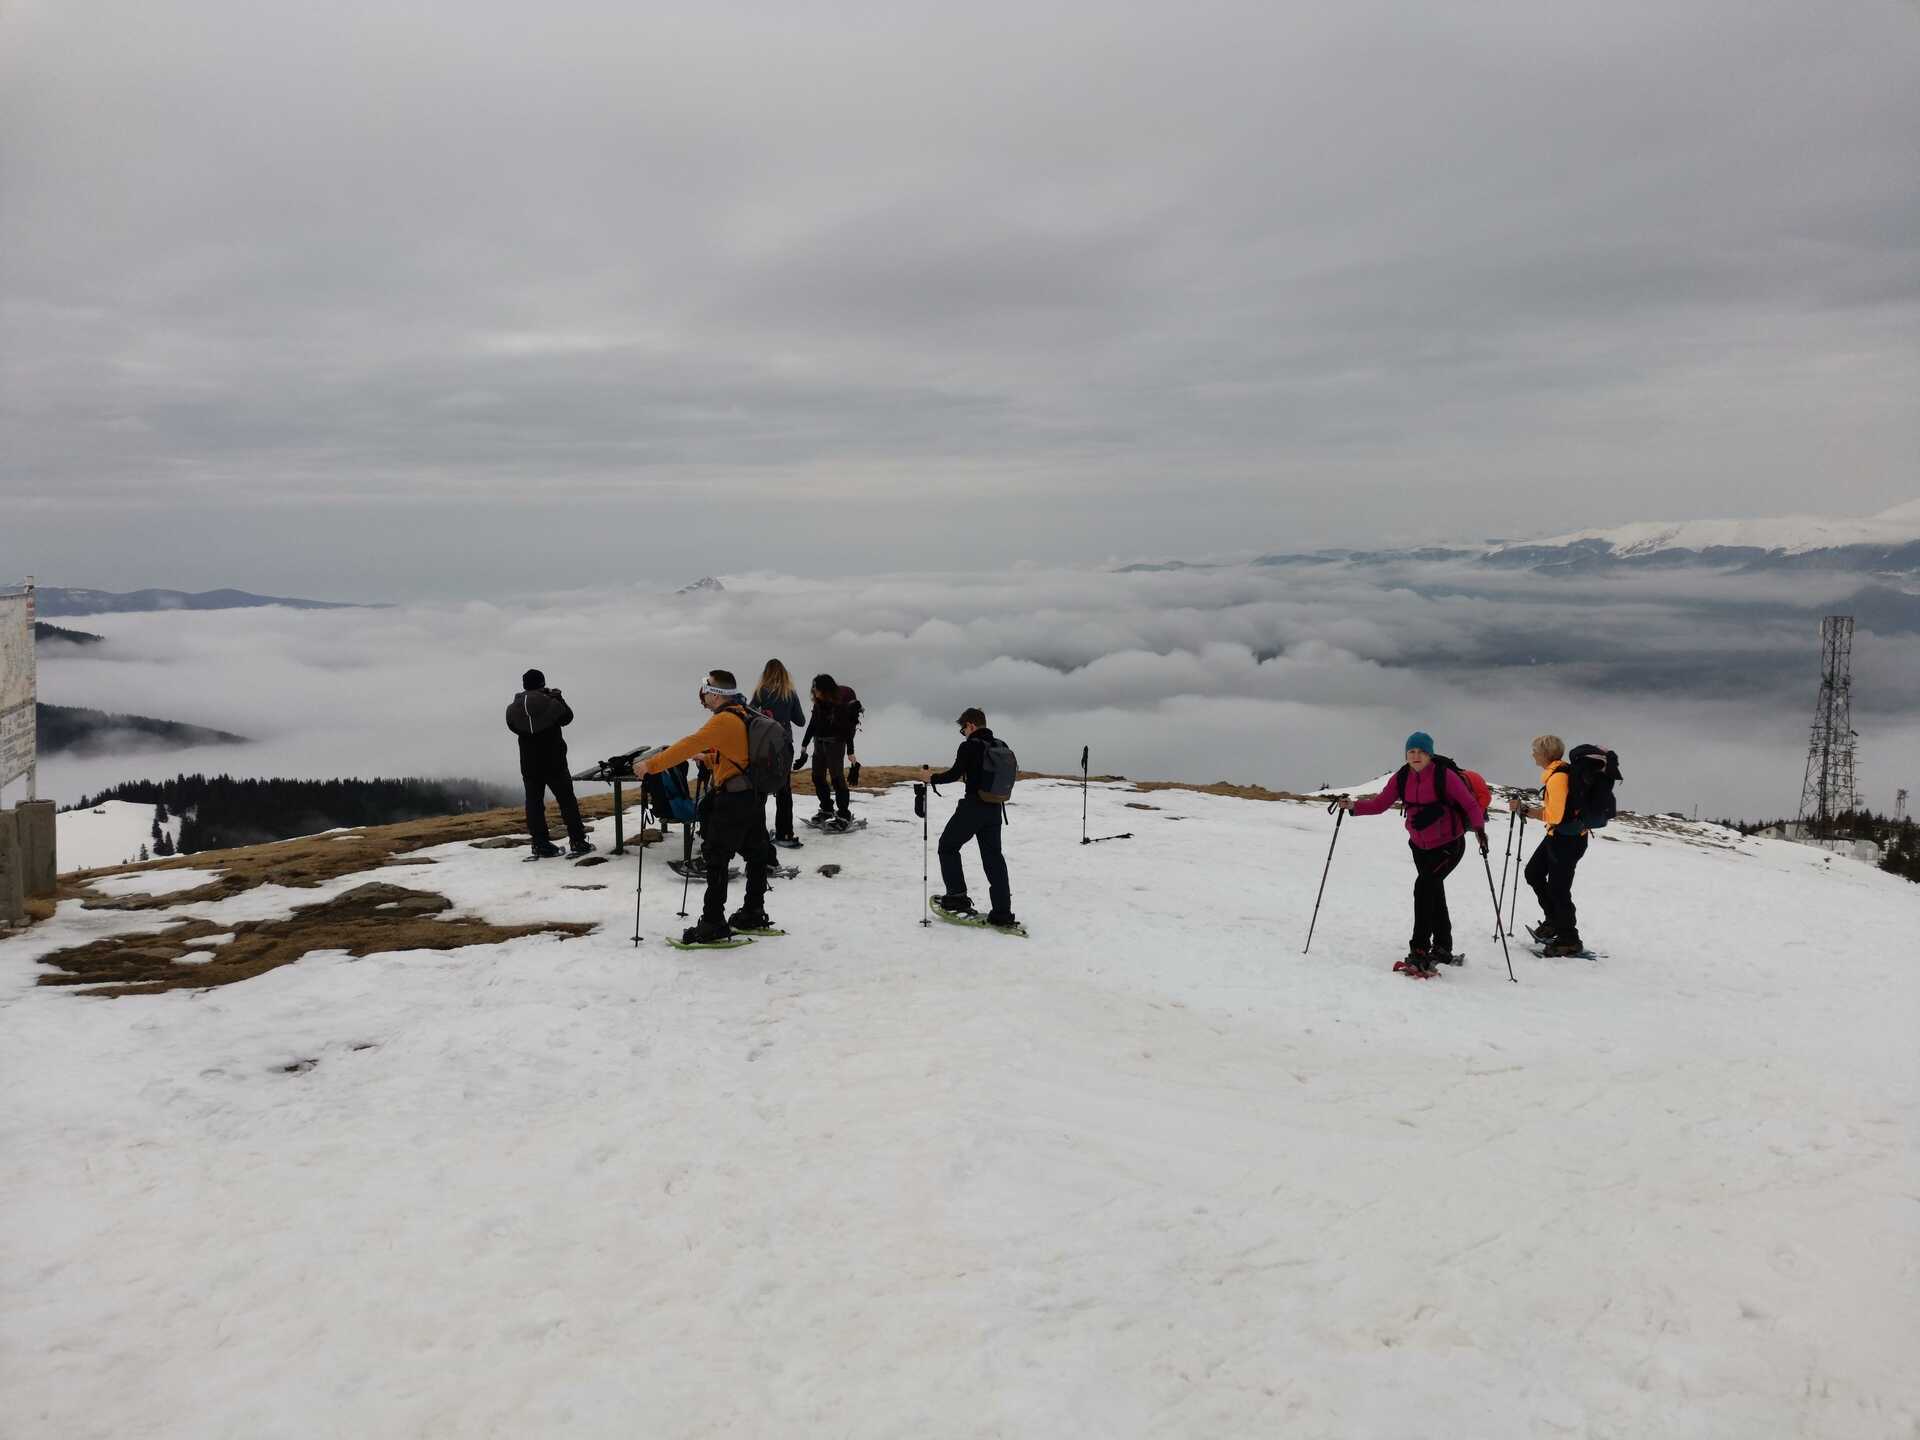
<point x="1550" y="871"/>
<point x="777" y="699"/>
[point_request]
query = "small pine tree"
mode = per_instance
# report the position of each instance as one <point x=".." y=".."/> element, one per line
<point x="143" y="853"/>
<point x="160" y="812"/>
<point x="157" y="832"/>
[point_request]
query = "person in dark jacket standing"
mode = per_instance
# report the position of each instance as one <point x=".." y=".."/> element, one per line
<point x="830" y="732"/>
<point x="776" y="698"/>
<point x="537" y="715"/>
<point x="978" y="816"/>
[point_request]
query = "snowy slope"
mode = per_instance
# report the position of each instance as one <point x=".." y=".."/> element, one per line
<point x="110" y="833"/>
<point x="1786" y="535"/>
<point x="1151" y="1172"/>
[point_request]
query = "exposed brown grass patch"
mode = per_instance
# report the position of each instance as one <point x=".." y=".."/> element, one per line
<point x="370" y="919"/>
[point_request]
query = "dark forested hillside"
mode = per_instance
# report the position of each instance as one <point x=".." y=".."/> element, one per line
<point x="69" y="729"/>
<point x="45" y="634"/>
<point x="218" y="811"/>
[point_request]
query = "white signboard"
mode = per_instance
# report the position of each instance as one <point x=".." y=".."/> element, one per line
<point x="17" y="685"/>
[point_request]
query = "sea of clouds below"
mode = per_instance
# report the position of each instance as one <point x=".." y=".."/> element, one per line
<point x="1289" y="678"/>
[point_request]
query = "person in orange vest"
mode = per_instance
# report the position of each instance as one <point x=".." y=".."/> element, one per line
<point x="736" y="819"/>
<point x="1550" y="871"/>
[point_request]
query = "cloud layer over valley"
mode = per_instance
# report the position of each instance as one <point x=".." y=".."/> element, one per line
<point x="1288" y="678"/>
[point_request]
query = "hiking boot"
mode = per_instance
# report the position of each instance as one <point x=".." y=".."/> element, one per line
<point x="707" y="932"/>
<point x="1418" y="961"/>
<point x="545" y="852"/>
<point x="745" y="919"/>
<point x="1444" y="957"/>
<point x="844" y="813"/>
<point x="1564" y="945"/>
<point x="789" y="842"/>
<point x="1001" y="918"/>
<point x="585" y="847"/>
<point x="839" y="825"/>
<point x="821" y="817"/>
<point x="954" y="904"/>
<point x="1542" y="933"/>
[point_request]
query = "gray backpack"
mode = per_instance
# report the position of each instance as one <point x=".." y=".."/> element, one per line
<point x="769" y="752"/>
<point x="998" y="770"/>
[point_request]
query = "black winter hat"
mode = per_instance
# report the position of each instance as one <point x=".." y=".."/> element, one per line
<point x="533" y="680"/>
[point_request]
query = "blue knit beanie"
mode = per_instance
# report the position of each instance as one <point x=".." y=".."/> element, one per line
<point x="1419" y="740"/>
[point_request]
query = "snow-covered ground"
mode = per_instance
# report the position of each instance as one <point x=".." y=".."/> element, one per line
<point x="1150" y="1172"/>
<point x="110" y="833"/>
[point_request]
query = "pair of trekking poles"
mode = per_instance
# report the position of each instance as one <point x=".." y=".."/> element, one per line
<point x="640" y="866"/>
<point x="1334" y="808"/>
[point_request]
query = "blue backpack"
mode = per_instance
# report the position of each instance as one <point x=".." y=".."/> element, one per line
<point x="668" y="797"/>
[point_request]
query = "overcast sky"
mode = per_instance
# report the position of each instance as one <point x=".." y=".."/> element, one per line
<point x="338" y="300"/>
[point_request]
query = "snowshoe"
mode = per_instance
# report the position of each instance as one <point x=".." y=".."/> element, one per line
<point x="574" y="852"/>
<point x="709" y="935"/>
<point x="1565" y="949"/>
<point x="1449" y="957"/>
<point x="1418" y="963"/>
<point x="973" y="921"/>
<point x="788" y="842"/>
<point x="694" y="870"/>
<point x="753" y="922"/>
<point x="1541" y="934"/>
<point x="952" y="904"/>
<point x="543" y="852"/>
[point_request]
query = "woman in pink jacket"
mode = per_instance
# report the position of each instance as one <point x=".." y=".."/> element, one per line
<point x="1440" y="809"/>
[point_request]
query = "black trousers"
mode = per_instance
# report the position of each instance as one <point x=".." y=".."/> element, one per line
<point x="783" y="810"/>
<point x="1432" y="925"/>
<point x="736" y="825"/>
<point x="556" y="779"/>
<point x="975" y="819"/>
<point x="1550" y="873"/>
<point x="830" y="773"/>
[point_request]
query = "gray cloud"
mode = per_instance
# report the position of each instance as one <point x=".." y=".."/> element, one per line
<point x="1224" y="278"/>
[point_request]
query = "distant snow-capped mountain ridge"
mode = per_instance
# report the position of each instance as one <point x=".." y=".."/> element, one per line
<point x="1887" y="544"/>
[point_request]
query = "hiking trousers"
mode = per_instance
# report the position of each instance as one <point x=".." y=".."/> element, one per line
<point x="556" y="779"/>
<point x="1550" y="873"/>
<point x="783" y="810"/>
<point x="1432" y="925"/>
<point x="736" y="825"/>
<point x="975" y="819"/>
<point x="830" y="774"/>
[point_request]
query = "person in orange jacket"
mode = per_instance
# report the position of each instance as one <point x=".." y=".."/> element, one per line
<point x="1550" y="871"/>
<point x="736" y="819"/>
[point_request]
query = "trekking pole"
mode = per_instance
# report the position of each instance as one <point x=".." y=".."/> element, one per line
<point x="1519" y="853"/>
<point x="1323" y="875"/>
<point x="1487" y="861"/>
<point x="1506" y="859"/>
<point x="640" y="874"/>
<point x="1083" y="796"/>
<point x="686" y="865"/>
<point x="920" y="809"/>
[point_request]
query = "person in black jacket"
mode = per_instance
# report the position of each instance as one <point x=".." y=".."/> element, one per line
<point x="537" y="715"/>
<point x="776" y="698"/>
<point x="977" y="816"/>
<point x="830" y="732"/>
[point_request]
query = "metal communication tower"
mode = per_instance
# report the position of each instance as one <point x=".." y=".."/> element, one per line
<point x="1828" y="792"/>
<point x="1900" y="805"/>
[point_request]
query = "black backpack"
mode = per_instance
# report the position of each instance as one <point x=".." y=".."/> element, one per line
<point x="998" y="770"/>
<point x="769" y="752"/>
<point x="1591" y="775"/>
<point x="847" y="711"/>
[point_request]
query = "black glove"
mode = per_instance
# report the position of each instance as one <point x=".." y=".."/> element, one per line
<point x="1483" y="840"/>
<point x="800" y="761"/>
<point x="853" y="773"/>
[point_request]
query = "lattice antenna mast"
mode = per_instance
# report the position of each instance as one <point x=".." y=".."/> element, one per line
<point x="1828" y="791"/>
